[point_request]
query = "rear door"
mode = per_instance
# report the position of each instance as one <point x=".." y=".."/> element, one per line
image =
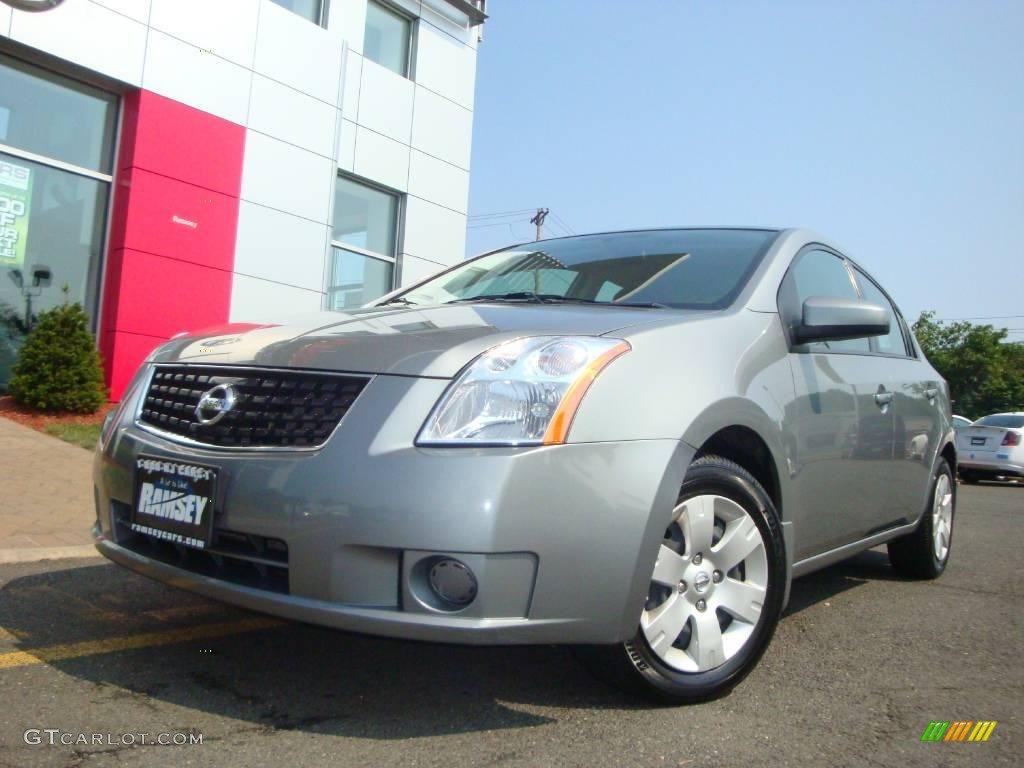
<point x="841" y="419"/>
<point x="916" y="410"/>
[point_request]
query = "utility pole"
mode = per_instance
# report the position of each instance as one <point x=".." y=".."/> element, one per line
<point x="542" y="213"/>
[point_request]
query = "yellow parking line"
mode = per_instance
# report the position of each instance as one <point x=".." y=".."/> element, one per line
<point x="128" y="642"/>
<point x="183" y="612"/>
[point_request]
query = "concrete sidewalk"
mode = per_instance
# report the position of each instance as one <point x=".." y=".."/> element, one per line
<point x="46" y="504"/>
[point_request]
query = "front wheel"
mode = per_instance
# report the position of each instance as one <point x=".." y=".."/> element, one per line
<point x="715" y="594"/>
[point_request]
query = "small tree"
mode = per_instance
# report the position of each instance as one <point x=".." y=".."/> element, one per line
<point x="983" y="369"/>
<point x="58" y="367"/>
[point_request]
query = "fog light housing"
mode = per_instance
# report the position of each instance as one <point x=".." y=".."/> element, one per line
<point x="453" y="582"/>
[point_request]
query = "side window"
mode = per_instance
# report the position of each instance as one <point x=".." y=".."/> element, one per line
<point x="894" y="343"/>
<point x="820" y="273"/>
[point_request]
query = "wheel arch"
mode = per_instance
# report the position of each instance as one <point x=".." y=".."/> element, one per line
<point x="738" y="430"/>
<point x="744" y="446"/>
<point x="948" y="452"/>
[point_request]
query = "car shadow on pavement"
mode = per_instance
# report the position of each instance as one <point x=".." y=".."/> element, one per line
<point x="817" y="587"/>
<point x="299" y="677"/>
<point x="289" y="676"/>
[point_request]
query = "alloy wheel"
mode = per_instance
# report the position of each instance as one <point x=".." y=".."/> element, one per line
<point x="942" y="516"/>
<point x="708" y="587"/>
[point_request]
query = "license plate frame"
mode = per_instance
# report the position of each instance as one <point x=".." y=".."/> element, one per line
<point x="978" y="440"/>
<point x="174" y="500"/>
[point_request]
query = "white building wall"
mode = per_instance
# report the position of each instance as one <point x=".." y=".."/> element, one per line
<point x="312" y="105"/>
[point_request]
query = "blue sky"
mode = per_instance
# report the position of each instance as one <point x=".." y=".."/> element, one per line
<point x="895" y="128"/>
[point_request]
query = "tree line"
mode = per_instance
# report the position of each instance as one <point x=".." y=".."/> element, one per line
<point x="985" y="371"/>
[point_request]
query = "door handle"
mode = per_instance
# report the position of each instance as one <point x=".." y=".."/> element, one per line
<point x="883" y="398"/>
<point x="931" y="393"/>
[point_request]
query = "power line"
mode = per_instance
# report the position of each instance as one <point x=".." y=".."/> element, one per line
<point x="482" y="226"/>
<point x="499" y="214"/>
<point x="562" y="223"/>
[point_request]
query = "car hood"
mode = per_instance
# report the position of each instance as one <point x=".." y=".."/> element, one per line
<point x="409" y="341"/>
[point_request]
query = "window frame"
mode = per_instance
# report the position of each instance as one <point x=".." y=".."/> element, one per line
<point x="897" y="318"/>
<point x="322" y="15"/>
<point x="410" y="54"/>
<point x="93" y="300"/>
<point x="787" y="311"/>
<point x="330" y="287"/>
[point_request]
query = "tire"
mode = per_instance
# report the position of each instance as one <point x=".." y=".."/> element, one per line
<point x="923" y="554"/>
<point x="675" y="671"/>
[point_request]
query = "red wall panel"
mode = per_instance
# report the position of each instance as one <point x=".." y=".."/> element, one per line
<point x="173" y="229"/>
<point x="128" y="347"/>
<point x="166" y="296"/>
<point x="177" y="219"/>
<point x="169" y="138"/>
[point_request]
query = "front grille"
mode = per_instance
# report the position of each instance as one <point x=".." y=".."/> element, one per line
<point x="272" y="408"/>
<point x="240" y="558"/>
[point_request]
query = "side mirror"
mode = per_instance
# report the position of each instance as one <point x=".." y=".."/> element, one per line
<point x="830" y="319"/>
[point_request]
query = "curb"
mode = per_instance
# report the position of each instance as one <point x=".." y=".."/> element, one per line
<point x="34" y="554"/>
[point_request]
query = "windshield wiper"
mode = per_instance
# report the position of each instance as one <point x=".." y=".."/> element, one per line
<point x="538" y="298"/>
<point x="554" y="298"/>
<point x="398" y="300"/>
<point x="647" y="304"/>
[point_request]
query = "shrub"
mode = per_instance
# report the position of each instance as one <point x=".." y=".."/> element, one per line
<point x="58" y="367"/>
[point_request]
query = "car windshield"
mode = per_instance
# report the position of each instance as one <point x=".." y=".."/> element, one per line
<point x="1012" y="420"/>
<point x="681" y="268"/>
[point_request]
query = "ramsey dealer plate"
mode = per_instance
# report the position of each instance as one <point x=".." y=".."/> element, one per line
<point x="174" y="501"/>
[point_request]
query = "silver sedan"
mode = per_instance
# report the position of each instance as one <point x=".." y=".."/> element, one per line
<point x="628" y="442"/>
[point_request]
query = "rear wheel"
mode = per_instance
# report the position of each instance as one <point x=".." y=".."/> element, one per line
<point x="924" y="553"/>
<point x="715" y="594"/>
<point x="968" y="477"/>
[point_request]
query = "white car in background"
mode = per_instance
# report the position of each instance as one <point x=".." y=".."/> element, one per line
<point x="959" y="422"/>
<point x="991" y="447"/>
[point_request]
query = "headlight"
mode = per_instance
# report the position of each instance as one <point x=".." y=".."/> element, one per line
<point x="523" y="392"/>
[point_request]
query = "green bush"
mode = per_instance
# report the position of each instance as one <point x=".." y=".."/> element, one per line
<point x="58" y="367"/>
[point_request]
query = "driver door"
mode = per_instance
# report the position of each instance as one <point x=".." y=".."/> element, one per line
<point x="841" y="419"/>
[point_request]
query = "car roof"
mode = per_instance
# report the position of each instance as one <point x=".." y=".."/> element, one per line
<point x="633" y="230"/>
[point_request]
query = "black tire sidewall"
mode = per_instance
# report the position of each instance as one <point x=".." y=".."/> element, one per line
<point x="725" y="479"/>
<point x="928" y="523"/>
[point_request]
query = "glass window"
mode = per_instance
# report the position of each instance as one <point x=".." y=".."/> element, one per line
<point x="51" y="236"/>
<point x="387" y="38"/>
<point x="682" y="268"/>
<point x="893" y="343"/>
<point x="32" y="100"/>
<point x="364" y="239"/>
<point x="365" y="216"/>
<point x="358" y="279"/>
<point x="52" y="219"/>
<point x="309" y="9"/>
<point x="821" y="273"/>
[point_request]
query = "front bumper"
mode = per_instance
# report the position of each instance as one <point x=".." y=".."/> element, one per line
<point x="562" y="538"/>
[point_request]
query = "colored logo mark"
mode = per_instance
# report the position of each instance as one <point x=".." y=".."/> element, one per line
<point x="958" y="730"/>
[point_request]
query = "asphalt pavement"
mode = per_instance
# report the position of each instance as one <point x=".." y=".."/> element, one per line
<point x="859" y="666"/>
